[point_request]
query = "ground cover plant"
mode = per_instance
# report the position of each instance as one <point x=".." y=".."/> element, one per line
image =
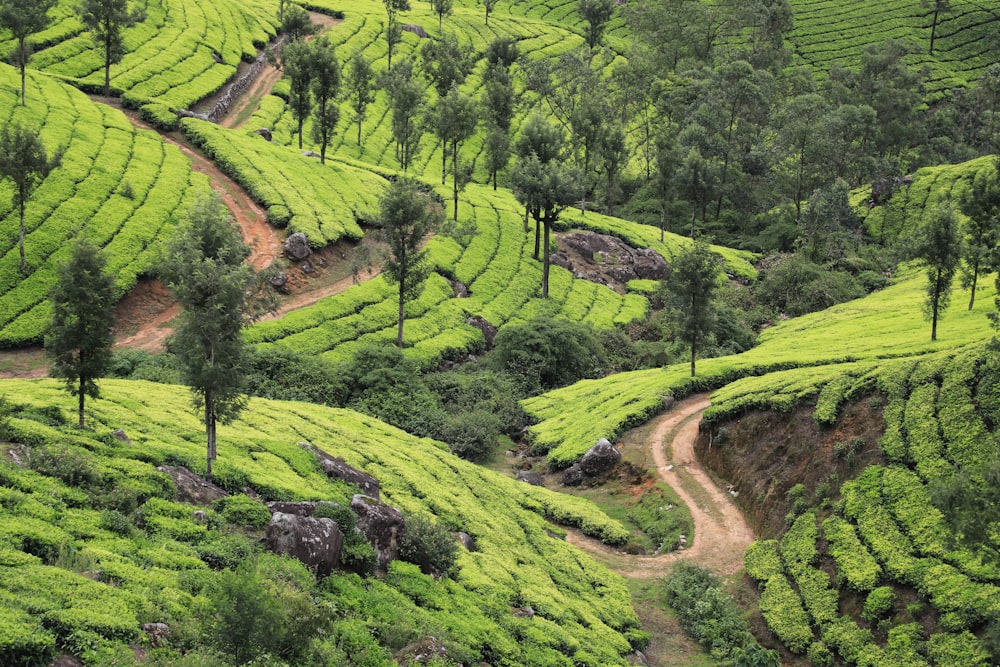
<point x="89" y="502"/>
<point x="118" y="186"/>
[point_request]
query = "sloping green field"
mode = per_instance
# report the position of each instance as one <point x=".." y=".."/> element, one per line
<point x="828" y="33"/>
<point x="583" y="611"/>
<point x="119" y="186"/>
<point x="183" y="51"/>
<point x="884" y="325"/>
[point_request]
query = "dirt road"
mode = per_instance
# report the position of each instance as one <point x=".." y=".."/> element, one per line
<point x="721" y="534"/>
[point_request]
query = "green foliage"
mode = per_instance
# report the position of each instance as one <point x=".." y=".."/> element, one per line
<point x="80" y="337"/>
<point x="708" y="613"/>
<point x="795" y="286"/>
<point x="427" y="544"/>
<point x="243" y="511"/>
<point x="406" y="216"/>
<point x="692" y="285"/>
<point x="658" y="518"/>
<point x="939" y="250"/>
<point x="203" y="267"/>
<point x="879" y="603"/>
<point x="547" y="352"/>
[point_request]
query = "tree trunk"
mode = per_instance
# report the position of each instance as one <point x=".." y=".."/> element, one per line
<point x="975" y="277"/>
<point x="663" y="221"/>
<point x="545" y="264"/>
<point x="934" y="23"/>
<point x="538" y="233"/>
<point x="23" y="66"/>
<point x="399" y="328"/>
<point x="454" y="175"/>
<point x="526" y="228"/>
<point x="694" y="347"/>
<point x="444" y="160"/>
<point x="210" y="433"/>
<point x="301" y="122"/>
<point x="82" y="397"/>
<point x="934" y="307"/>
<point x="359" y="129"/>
<point x="107" y="70"/>
<point x="20" y="237"/>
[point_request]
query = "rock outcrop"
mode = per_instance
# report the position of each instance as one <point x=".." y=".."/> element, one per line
<point x="337" y="468"/>
<point x="297" y="247"/>
<point x="317" y="543"/>
<point x="489" y="331"/>
<point x="191" y="488"/>
<point x="600" y="458"/>
<point x="608" y="260"/>
<point x="381" y="524"/>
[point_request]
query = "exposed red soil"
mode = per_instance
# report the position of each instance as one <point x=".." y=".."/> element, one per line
<point x="721" y="533"/>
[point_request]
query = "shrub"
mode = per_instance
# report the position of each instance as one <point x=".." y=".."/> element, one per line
<point x="706" y="611"/>
<point x="878" y="603"/>
<point x="795" y="286"/>
<point x="243" y="511"/>
<point x="472" y="435"/>
<point x="546" y="352"/>
<point x="117" y="523"/>
<point x="70" y="465"/>
<point x="226" y="552"/>
<point x="427" y="544"/>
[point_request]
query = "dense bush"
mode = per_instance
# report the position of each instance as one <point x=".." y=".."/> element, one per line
<point x="243" y="511"/>
<point x="710" y="614"/>
<point x="283" y="374"/>
<point x="357" y="553"/>
<point x="427" y="544"/>
<point x="793" y="285"/>
<point x="547" y="352"/>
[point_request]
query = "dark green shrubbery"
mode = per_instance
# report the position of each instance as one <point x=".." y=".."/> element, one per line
<point x="427" y="544"/>
<point x="710" y="615"/>
<point x="547" y="352"/>
<point x="243" y="511"/>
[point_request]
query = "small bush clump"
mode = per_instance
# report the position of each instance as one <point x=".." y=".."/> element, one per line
<point x="428" y="545"/>
<point x="243" y="511"/>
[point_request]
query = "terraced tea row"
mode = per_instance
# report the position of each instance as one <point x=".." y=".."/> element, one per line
<point x="886" y="532"/>
<point x="830" y="33"/>
<point x="120" y="187"/>
<point x="883" y="325"/>
<point x="582" y="611"/>
<point x="502" y="279"/>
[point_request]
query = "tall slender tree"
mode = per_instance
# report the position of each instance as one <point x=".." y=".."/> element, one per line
<point x="360" y="87"/>
<point x="406" y="100"/>
<point x="544" y="141"/>
<point x="981" y="204"/>
<point x="937" y="8"/>
<point x="325" y="82"/>
<point x="462" y="118"/>
<point x="24" y="19"/>
<point x="545" y="189"/>
<point x="203" y="266"/>
<point x="406" y="216"/>
<point x="107" y="20"/>
<point x="24" y="161"/>
<point x="80" y="336"/>
<point x="938" y="248"/>
<point x="596" y="14"/>
<point x="442" y="8"/>
<point x="393" y="31"/>
<point x="694" y="278"/>
<point x="296" y="61"/>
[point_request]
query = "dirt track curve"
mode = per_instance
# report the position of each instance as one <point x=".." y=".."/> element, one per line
<point x="721" y="533"/>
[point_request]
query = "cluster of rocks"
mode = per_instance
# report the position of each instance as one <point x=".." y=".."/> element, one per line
<point x="608" y="260"/>
<point x="232" y="91"/>
<point x="599" y="459"/>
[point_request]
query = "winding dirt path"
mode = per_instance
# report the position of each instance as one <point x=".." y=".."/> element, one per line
<point x="721" y="533"/>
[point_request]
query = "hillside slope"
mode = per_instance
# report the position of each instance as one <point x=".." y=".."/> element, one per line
<point x="119" y="186"/>
<point x="92" y="576"/>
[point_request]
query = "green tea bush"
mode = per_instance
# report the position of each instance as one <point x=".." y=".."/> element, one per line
<point x="427" y="544"/>
<point x="243" y="511"/>
<point x="357" y="553"/>
<point x="23" y="642"/>
<point x="472" y="435"/>
<point x="546" y="352"/>
<point x="879" y="603"/>
<point x="72" y="466"/>
<point x="225" y="551"/>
